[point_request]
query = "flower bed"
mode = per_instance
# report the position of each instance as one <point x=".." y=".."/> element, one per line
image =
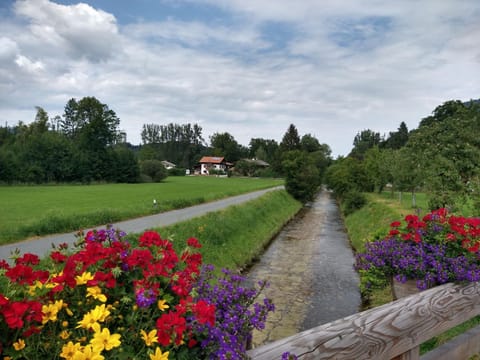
<point x="107" y="300"/>
<point x="436" y="249"/>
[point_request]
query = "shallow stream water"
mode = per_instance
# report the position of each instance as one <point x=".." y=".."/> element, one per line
<point x="309" y="266"/>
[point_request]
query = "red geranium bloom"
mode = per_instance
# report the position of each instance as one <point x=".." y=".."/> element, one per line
<point x="193" y="242"/>
<point x="204" y="312"/>
<point x="170" y="325"/>
<point x="149" y="238"/>
<point x="14" y="313"/>
<point x="395" y="224"/>
<point x="28" y="259"/>
<point x="58" y="257"/>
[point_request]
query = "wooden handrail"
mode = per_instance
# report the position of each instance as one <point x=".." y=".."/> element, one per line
<point x="391" y="331"/>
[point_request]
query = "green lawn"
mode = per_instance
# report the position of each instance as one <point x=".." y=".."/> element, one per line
<point x="27" y="211"/>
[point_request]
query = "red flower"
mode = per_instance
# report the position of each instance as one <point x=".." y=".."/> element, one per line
<point x="194" y="243"/>
<point x="14" y="313"/>
<point x="58" y="257"/>
<point x="28" y="259"/>
<point x="3" y="300"/>
<point x="149" y="238"/>
<point x="394" y="232"/>
<point x="106" y="278"/>
<point x="474" y="248"/>
<point x="451" y="237"/>
<point x="170" y="326"/>
<point x="395" y="224"/>
<point x="204" y="312"/>
<point x="23" y="274"/>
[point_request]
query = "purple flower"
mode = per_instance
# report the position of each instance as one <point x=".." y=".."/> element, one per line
<point x="145" y="297"/>
<point x="237" y="313"/>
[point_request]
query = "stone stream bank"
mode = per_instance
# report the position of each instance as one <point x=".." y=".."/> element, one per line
<point x="309" y="266"/>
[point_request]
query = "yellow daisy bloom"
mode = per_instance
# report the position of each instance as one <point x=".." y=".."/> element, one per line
<point x="64" y="335"/>
<point x="162" y="305"/>
<point x="69" y="350"/>
<point x="82" y="279"/>
<point x="159" y="355"/>
<point x="50" y="311"/>
<point x="103" y="340"/>
<point x="149" y="338"/>
<point x="96" y="293"/>
<point x="99" y="314"/>
<point x="88" y="353"/>
<point x="19" y="345"/>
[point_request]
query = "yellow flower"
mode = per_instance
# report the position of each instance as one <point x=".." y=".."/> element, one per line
<point x="69" y="350"/>
<point x="149" y="338"/>
<point x="96" y="293"/>
<point x="162" y="305"/>
<point x="82" y="279"/>
<point x="103" y="340"/>
<point x="50" y="311"/>
<point x="159" y="355"/>
<point x="64" y="335"/>
<point x="88" y="353"/>
<point x="19" y="345"/>
<point x="99" y="314"/>
<point x="7" y="358"/>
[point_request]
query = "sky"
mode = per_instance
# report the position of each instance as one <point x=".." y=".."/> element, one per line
<point x="247" y="67"/>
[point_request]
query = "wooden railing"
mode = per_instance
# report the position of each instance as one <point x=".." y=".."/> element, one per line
<point x="390" y="331"/>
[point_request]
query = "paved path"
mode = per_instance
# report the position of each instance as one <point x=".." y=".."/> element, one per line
<point x="310" y="269"/>
<point x="43" y="245"/>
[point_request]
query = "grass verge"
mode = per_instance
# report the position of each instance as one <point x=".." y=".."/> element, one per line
<point x="234" y="237"/>
<point x="40" y="210"/>
<point x="372" y="222"/>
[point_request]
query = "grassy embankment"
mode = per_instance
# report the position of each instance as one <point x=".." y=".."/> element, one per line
<point x="27" y="211"/>
<point x="373" y="222"/>
<point x="234" y="237"/>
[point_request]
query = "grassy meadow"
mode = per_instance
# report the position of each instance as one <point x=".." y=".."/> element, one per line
<point x="27" y="211"/>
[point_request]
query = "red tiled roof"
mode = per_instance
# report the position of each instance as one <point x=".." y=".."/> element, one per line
<point x="212" y="159"/>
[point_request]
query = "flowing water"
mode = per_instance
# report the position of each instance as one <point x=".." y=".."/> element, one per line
<point x="309" y="266"/>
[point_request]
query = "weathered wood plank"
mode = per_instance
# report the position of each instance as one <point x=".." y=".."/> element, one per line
<point x="461" y="347"/>
<point x="383" y="332"/>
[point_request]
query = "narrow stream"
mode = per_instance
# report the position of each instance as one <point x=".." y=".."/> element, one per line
<point x="309" y="266"/>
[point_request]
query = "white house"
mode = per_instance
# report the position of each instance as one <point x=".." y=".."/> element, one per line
<point x="208" y="163"/>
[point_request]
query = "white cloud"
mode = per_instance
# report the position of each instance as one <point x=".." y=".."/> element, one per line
<point x="332" y="68"/>
<point x="80" y="30"/>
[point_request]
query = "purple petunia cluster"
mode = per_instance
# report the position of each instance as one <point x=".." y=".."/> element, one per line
<point x="430" y="264"/>
<point x="237" y="313"/>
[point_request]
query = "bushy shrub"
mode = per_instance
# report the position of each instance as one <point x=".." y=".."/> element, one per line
<point x="176" y="171"/>
<point x="352" y="201"/>
<point x="154" y="169"/>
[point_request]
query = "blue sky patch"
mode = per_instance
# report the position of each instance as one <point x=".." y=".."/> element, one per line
<point x="365" y="33"/>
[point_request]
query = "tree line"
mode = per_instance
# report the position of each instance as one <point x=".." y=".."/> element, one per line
<point x="441" y="158"/>
<point x="85" y="145"/>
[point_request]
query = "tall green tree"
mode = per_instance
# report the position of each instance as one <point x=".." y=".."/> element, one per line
<point x="268" y="150"/>
<point x="302" y="178"/>
<point x="449" y="148"/>
<point x="290" y="140"/>
<point x="364" y="140"/>
<point x="396" y="139"/>
<point x="224" y="144"/>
